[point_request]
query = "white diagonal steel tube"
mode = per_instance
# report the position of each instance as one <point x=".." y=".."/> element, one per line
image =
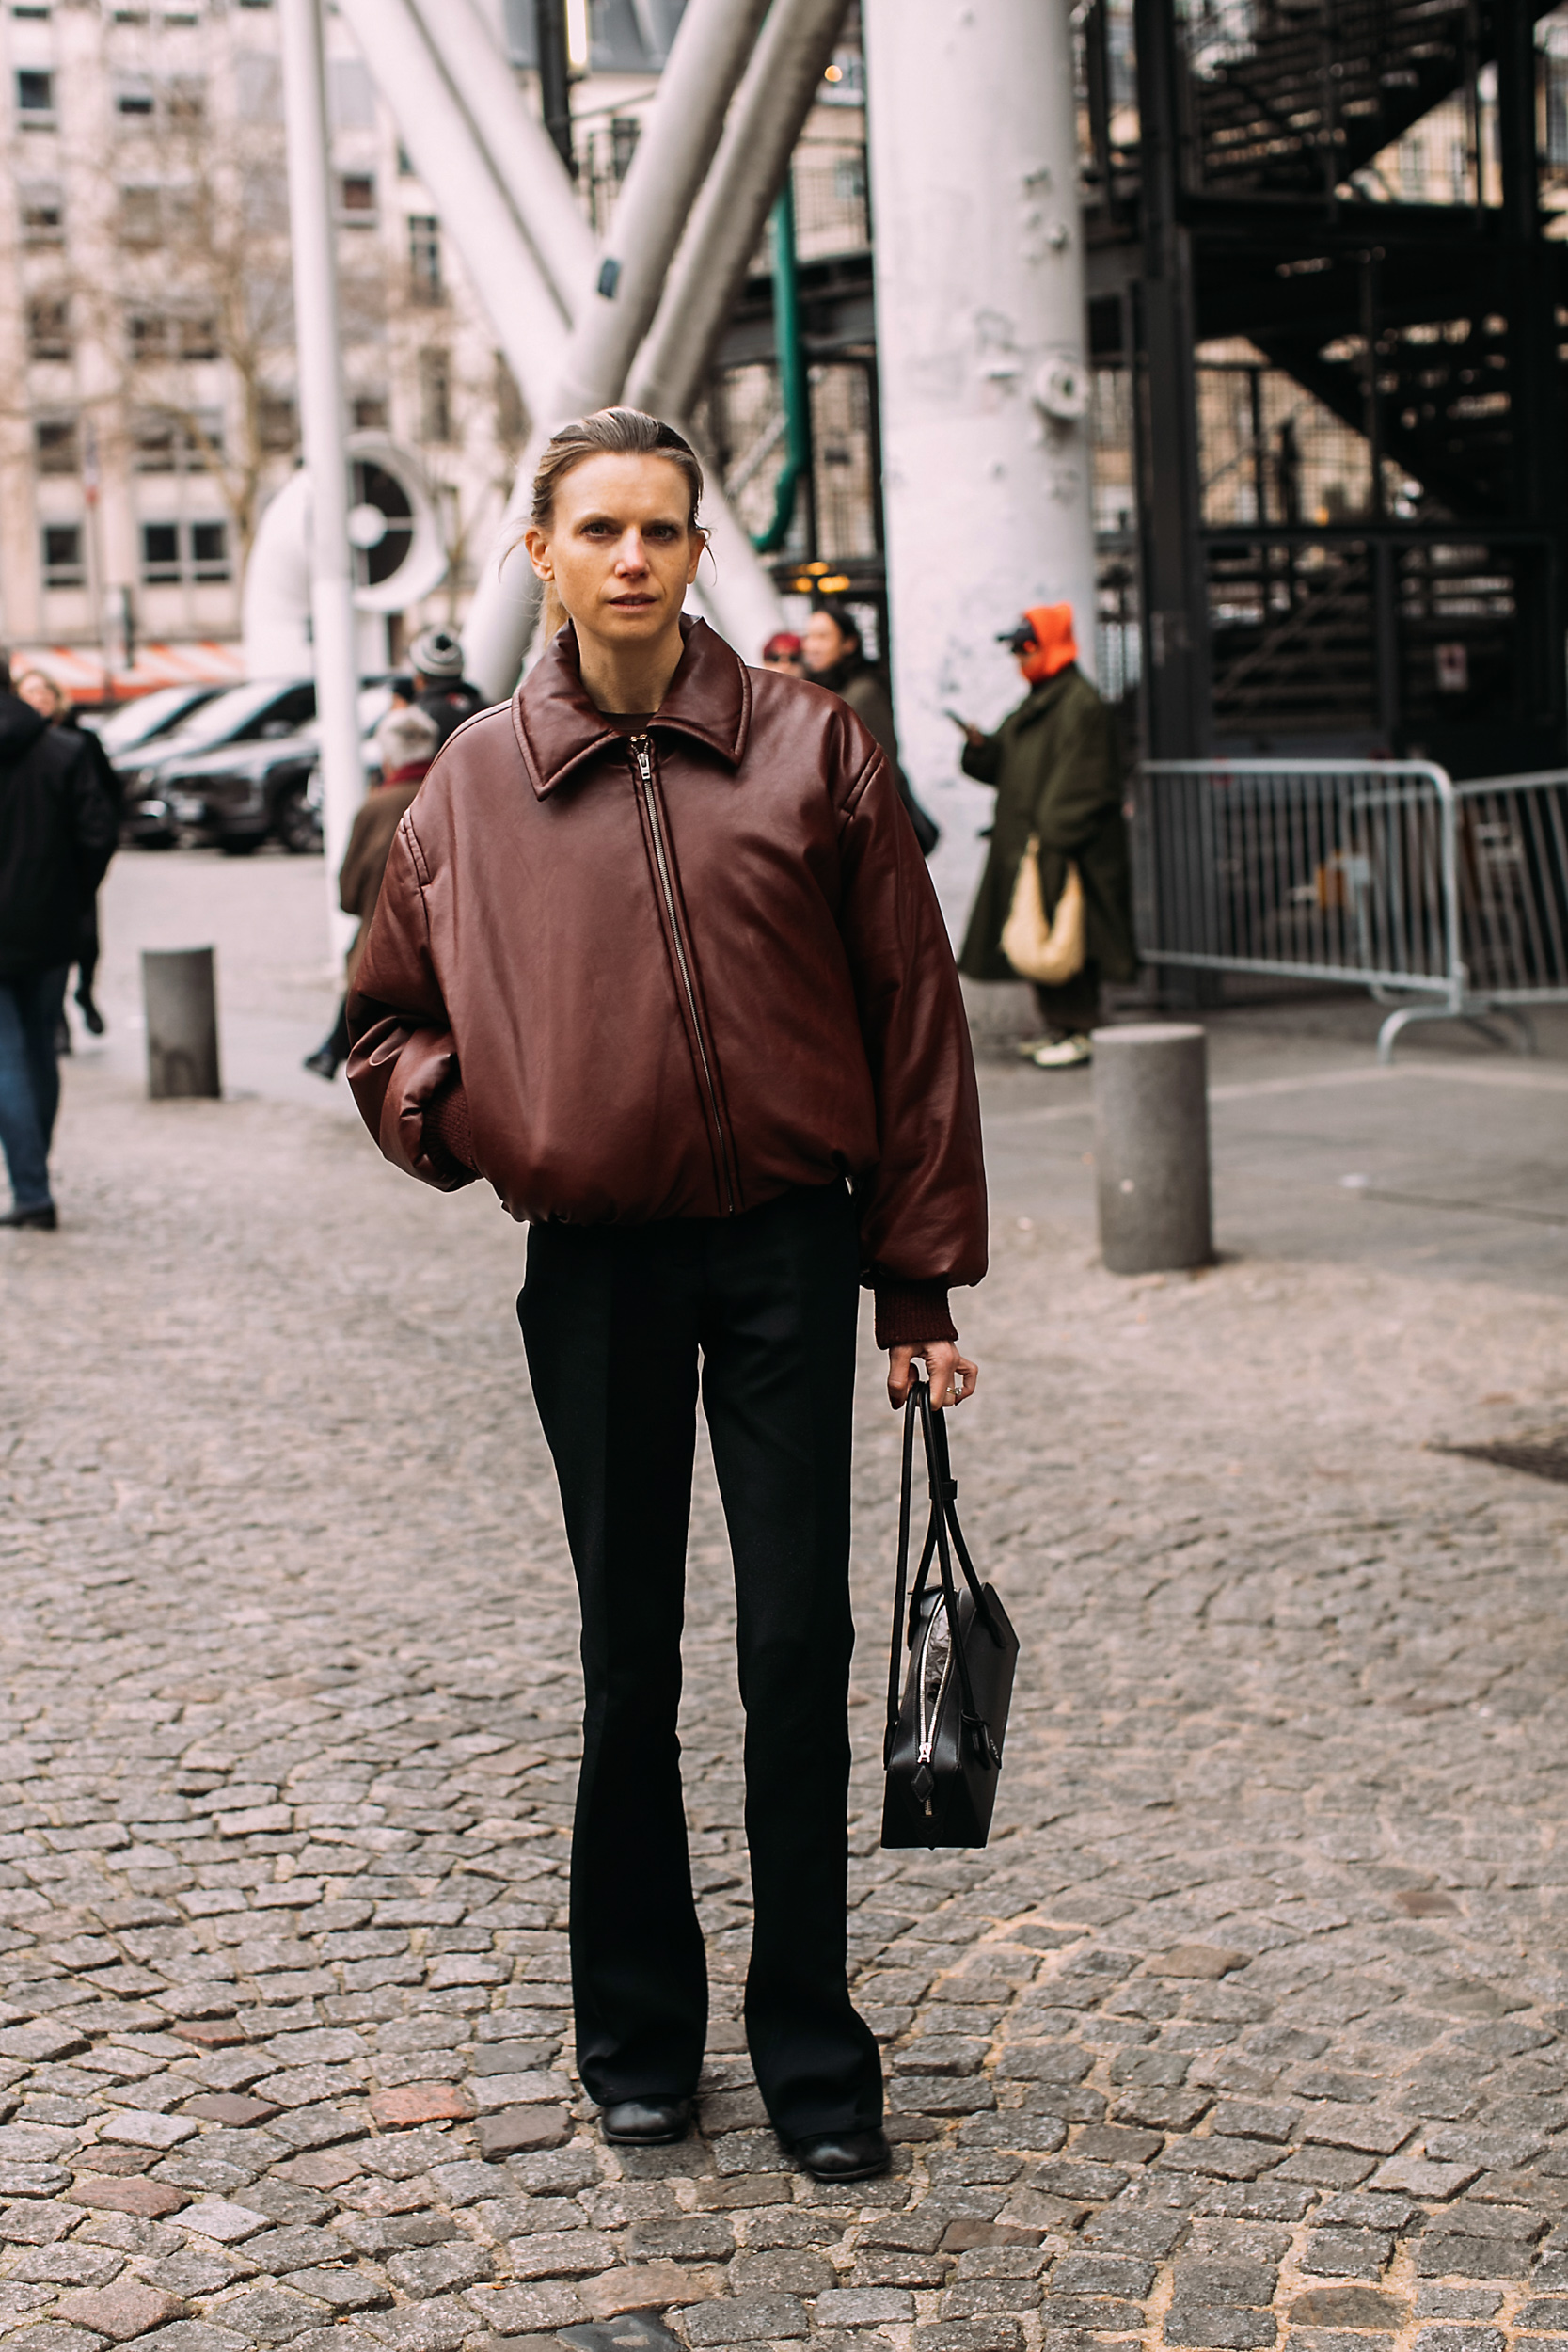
<point x="727" y="221"/>
<point x="677" y="146"/>
<point x="321" y="416"/>
<point x="529" y="318"/>
<point x="518" y="149"/>
<point x="672" y="158"/>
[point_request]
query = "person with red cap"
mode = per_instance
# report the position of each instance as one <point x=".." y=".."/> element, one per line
<point x="1056" y="771"/>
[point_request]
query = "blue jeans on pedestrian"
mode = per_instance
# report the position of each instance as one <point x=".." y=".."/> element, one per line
<point x="31" y="1004"/>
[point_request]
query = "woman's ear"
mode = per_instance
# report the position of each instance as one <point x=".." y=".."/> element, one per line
<point x="538" y="552"/>
<point x="705" y="546"/>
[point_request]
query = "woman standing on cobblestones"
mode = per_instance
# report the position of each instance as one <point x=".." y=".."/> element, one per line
<point x="657" y="956"/>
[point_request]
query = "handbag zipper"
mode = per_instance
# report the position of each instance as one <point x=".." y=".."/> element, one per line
<point x="642" y="752"/>
<point x="928" y="1715"/>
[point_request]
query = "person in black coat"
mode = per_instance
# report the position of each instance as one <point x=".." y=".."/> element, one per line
<point x="47" y="698"/>
<point x="57" y="832"/>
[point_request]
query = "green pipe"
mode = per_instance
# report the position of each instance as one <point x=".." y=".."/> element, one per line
<point x="792" y="374"/>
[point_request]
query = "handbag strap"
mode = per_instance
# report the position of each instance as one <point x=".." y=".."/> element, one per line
<point x="944" y="1520"/>
<point x="895" y="1675"/>
<point x="974" y="1726"/>
<point x="942" y="1477"/>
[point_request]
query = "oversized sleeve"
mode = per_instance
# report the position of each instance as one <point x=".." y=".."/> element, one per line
<point x="983" y="760"/>
<point x="94" y="826"/>
<point x="923" y="1214"/>
<point x="403" y="1055"/>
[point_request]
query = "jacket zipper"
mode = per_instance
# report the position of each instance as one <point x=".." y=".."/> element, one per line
<point x="642" y="753"/>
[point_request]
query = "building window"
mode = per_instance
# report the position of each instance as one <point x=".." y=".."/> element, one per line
<point x="55" y="444"/>
<point x="185" y="98"/>
<point x="154" y="335"/>
<point x="176" y="552"/>
<point x="62" y="556"/>
<point x="43" y="209"/>
<point x="142" y="217"/>
<point x="370" y="413"/>
<point x="133" y="97"/>
<point x="357" y="199"/>
<point x="160" y="553"/>
<point x="434" y="396"/>
<point x="424" y="257"/>
<point x="34" y="98"/>
<point x="278" y="422"/>
<point x="625" y="131"/>
<point x="210" y="550"/>
<point x="162" y="444"/>
<point x="49" y="327"/>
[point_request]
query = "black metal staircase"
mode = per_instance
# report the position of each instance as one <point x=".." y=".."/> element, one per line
<point x="1245" y="207"/>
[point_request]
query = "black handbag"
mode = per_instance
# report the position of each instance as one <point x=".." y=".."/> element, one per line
<point x="944" y="1731"/>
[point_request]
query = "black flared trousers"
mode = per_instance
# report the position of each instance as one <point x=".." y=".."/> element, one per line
<point x="615" y="1319"/>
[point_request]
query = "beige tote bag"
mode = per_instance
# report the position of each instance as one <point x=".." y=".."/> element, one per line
<point x="1038" y="950"/>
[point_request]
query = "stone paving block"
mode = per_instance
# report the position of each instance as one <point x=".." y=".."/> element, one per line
<point x="1220" y="2329"/>
<point x="996" y="2332"/>
<point x="512" y="2131"/>
<point x="122" y="2310"/>
<point x="413" y="2104"/>
<point x="442" y="2326"/>
<point x="861" y="2307"/>
<point x="745" y="2319"/>
<point x="142" y="2128"/>
<point x="149" y="2198"/>
<point x="526" y="2310"/>
<point x="229" y="2224"/>
<point x="1349" y="2307"/>
<point x="51" y="2336"/>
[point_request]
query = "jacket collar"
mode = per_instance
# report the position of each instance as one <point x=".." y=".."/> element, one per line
<point x="1040" y="697"/>
<point x="558" y="729"/>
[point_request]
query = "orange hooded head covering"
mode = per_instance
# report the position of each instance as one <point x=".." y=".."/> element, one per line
<point x="1054" y="645"/>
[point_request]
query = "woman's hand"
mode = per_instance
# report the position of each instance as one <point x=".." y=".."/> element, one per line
<point x="952" y="1377"/>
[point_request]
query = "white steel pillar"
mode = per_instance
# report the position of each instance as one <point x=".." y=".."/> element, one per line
<point x="311" y="213"/>
<point x="706" y="62"/>
<point x="980" y="336"/>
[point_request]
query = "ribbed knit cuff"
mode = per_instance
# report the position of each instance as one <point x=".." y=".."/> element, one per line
<point x="448" y="1135"/>
<point x="908" y="1312"/>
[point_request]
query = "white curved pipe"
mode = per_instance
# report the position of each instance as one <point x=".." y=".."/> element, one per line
<point x="275" y="608"/>
<point x="520" y="151"/>
<point x="335" y="659"/>
<point x="706" y="62"/>
<point x="726" y="224"/>
<point x="528" y="319"/>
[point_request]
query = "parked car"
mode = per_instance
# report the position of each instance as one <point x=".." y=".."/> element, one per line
<point x="134" y="724"/>
<point x="262" y="715"/>
<point x="248" y="793"/>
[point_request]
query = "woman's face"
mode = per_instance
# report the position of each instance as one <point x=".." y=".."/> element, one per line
<point x="39" y="691"/>
<point x="824" y="642"/>
<point x="619" y="547"/>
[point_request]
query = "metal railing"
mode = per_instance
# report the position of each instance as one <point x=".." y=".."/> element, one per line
<point x="1447" y="902"/>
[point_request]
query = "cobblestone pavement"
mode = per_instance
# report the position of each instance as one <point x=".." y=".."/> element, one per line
<point x="1252" y="2024"/>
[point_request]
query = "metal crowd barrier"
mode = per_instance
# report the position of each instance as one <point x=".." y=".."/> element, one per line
<point x="1448" y="902"/>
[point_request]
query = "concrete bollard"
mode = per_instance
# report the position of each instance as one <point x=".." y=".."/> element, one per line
<point x="180" y="1001"/>
<point x="1151" y="1147"/>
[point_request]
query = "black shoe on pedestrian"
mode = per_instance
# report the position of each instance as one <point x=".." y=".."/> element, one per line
<point x="843" y="2156"/>
<point x="92" y="1018"/>
<point x="324" y="1061"/>
<point x="45" y="1220"/>
<point x="645" y="2122"/>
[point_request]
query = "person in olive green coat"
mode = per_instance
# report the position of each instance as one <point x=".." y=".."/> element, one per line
<point x="1057" y="773"/>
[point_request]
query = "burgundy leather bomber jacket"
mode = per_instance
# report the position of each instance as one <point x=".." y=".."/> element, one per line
<point x="676" y="973"/>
